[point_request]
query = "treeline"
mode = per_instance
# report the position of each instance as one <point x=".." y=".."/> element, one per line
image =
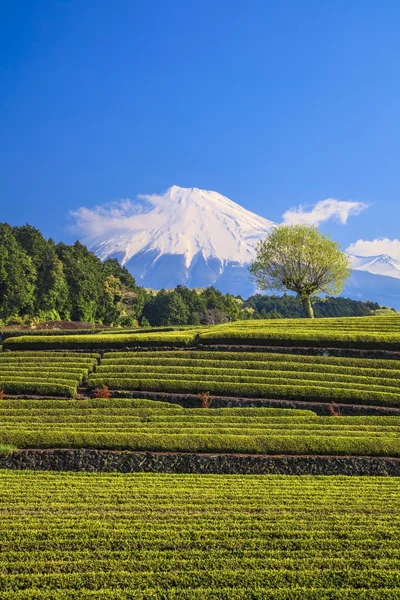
<point x="42" y="280"/>
<point x="284" y="307"/>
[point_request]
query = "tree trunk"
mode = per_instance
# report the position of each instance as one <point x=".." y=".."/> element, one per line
<point x="308" y="309"/>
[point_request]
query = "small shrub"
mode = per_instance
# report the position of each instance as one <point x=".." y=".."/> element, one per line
<point x="102" y="392"/>
<point x="2" y="395"/>
<point x="205" y="399"/>
<point x="334" y="410"/>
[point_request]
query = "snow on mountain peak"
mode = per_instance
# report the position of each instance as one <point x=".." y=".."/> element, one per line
<point x="383" y="264"/>
<point x="182" y="221"/>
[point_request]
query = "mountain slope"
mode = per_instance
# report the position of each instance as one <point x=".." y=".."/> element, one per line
<point x="377" y="265"/>
<point x="187" y="235"/>
<point x="363" y="285"/>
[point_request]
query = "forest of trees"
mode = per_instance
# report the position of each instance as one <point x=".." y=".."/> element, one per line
<point x="42" y="280"/>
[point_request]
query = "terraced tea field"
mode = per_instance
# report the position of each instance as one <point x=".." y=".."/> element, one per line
<point x="350" y="332"/>
<point x="256" y="374"/>
<point x="134" y="425"/>
<point x="100" y="340"/>
<point x="44" y="373"/>
<point x="189" y="537"/>
<point x="73" y="536"/>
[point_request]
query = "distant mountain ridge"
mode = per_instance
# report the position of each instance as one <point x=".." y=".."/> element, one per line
<point x="382" y="264"/>
<point x="199" y="238"/>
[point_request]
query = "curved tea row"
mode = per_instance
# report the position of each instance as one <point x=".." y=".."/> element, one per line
<point x="258" y="375"/>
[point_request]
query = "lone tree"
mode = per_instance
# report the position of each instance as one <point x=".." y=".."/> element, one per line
<point x="298" y="258"/>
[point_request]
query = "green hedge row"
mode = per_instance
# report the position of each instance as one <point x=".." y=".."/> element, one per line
<point x="99" y="341"/>
<point x="7" y="334"/>
<point x="281" y="379"/>
<point x="305" y="338"/>
<point x="250" y="366"/>
<point x="250" y="375"/>
<point x="127" y="357"/>
<point x="232" y="335"/>
<point x="287" y="392"/>
<point x="64" y="354"/>
<point x="66" y="379"/>
<point x="33" y="369"/>
<point x="43" y="375"/>
<point x="186" y="442"/>
<point x="99" y="406"/>
<point x="137" y="425"/>
<point x="45" y="363"/>
<point x="42" y="389"/>
<point x="392" y="321"/>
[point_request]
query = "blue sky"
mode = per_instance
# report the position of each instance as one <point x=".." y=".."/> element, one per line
<point x="273" y="104"/>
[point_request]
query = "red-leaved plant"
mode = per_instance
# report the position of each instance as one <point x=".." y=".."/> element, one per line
<point x="334" y="410"/>
<point x="102" y="392"/>
<point x="2" y="394"/>
<point x="205" y="399"/>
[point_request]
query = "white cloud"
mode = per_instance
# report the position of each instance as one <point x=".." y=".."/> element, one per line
<point x="340" y="210"/>
<point x="114" y="217"/>
<point x="375" y="247"/>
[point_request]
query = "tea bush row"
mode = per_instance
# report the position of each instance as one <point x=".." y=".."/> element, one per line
<point x="360" y="332"/>
<point x="122" y="425"/>
<point x="99" y="341"/>
<point x="45" y="374"/>
<point x="189" y="537"/>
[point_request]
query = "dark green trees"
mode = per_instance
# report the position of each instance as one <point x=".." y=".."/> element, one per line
<point x="39" y="278"/>
<point x="17" y="276"/>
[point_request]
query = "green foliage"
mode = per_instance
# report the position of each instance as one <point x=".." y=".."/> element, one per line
<point x="111" y="340"/>
<point x="17" y="276"/>
<point x="42" y="281"/>
<point x="301" y="390"/>
<point x="46" y="374"/>
<point x="258" y="375"/>
<point x="379" y="333"/>
<point x="136" y="425"/>
<point x="81" y="536"/>
<point x="62" y="282"/>
<point x="262" y="306"/>
<point x="51" y="289"/>
<point x="299" y="259"/>
<point x="35" y="387"/>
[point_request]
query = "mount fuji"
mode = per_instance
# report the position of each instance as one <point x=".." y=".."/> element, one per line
<point x="185" y="236"/>
<point x="199" y="238"/>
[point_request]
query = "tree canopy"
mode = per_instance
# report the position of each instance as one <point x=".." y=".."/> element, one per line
<point x="300" y="259"/>
<point x="45" y="281"/>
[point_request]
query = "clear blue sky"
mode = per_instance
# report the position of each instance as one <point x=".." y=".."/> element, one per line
<point x="273" y="104"/>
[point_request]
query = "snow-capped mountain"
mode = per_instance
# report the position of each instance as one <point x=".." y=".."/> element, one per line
<point x="187" y="235"/>
<point x="377" y="265"/>
<point x="199" y="238"/>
